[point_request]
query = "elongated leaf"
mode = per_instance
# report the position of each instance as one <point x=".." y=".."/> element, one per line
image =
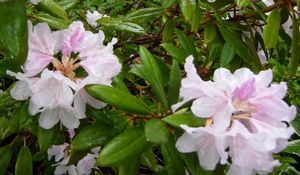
<point x="156" y="131"/>
<point x="130" y="168"/>
<point x="53" y="8"/>
<point x="46" y="137"/>
<point x="153" y="75"/>
<point x="192" y="163"/>
<point x="149" y="160"/>
<point x="184" y="119"/>
<point x="172" y="158"/>
<point x="67" y="4"/>
<point x="5" y="157"/>
<point x="168" y="3"/>
<point x="144" y="14"/>
<point x="188" y="8"/>
<point x="24" y="162"/>
<point x="227" y="54"/>
<point x="293" y="147"/>
<point x="174" y="83"/>
<point x="118" y="98"/>
<point x="13" y="31"/>
<point x="120" y="24"/>
<point x="130" y="144"/>
<point x="175" y="52"/>
<point x="169" y="31"/>
<point x="92" y="136"/>
<point x="295" y="49"/>
<point x="52" y="21"/>
<point x="271" y="30"/>
<point x="239" y="47"/>
<point x="186" y="43"/>
<point x="210" y="32"/>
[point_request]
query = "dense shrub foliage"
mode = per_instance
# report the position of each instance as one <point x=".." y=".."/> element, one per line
<point x="166" y="87"/>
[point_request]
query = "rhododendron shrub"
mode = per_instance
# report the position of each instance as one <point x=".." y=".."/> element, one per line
<point x="166" y="87"/>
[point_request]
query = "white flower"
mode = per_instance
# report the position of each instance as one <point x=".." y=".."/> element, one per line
<point x="92" y="18"/>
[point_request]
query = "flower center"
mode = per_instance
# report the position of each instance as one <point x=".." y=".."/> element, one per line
<point x="243" y="109"/>
<point x="66" y="66"/>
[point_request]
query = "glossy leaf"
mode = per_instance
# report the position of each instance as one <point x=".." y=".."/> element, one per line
<point x="46" y="137"/>
<point x="52" y="21"/>
<point x="120" y="24"/>
<point x="188" y="8"/>
<point x="53" y="8"/>
<point x="93" y="136"/>
<point x="130" y="144"/>
<point x="186" y="43"/>
<point x="175" y="52"/>
<point x="295" y="49"/>
<point x="174" y="83"/>
<point x="156" y="131"/>
<point x="13" y="32"/>
<point x="184" y="119"/>
<point x="24" y="162"/>
<point x="144" y="14"/>
<point x="118" y="98"/>
<point x="130" y="168"/>
<point x="67" y="4"/>
<point x="153" y="75"/>
<point x="6" y="153"/>
<point x="293" y="147"/>
<point x="271" y="30"/>
<point x="227" y="54"/>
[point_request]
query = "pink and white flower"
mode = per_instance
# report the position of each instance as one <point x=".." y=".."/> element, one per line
<point x="58" y="94"/>
<point x="240" y="108"/>
<point x="92" y="17"/>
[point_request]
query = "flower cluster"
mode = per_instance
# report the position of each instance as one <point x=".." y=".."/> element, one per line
<point x="58" y="66"/>
<point x="61" y="155"/>
<point x="246" y="119"/>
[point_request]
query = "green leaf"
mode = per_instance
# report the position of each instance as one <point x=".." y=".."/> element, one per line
<point x="188" y="8"/>
<point x="53" y="8"/>
<point x="5" y="98"/>
<point x="141" y="15"/>
<point x="239" y="47"/>
<point x="118" y="98"/>
<point x="192" y="163"/>
<point x="120" y="24"/>
<point x="130" y="144"/>
<point x="156" y="131"/>
<point x="68" y="4"/>
<point x="169" y="31"/>
<point x="271" y="29"/>
<point x="186" y="43"/>
<point x="148" y="159"/>
<point x="13" y="31"/>
<point x="52" y="21"/>
<point x="290" y="171"/>
<point x="195" y="23"/>
<point x="153" y="75"/>
<point x="184" y="119"/>
<point x="5" y="157"/>
<point x="210" y="32"/>
<point x="24" y="162"/>
<point x="132" y="167"/>
<point x="174" y="83"/>
<point x="175" y="52"/>
<point x="295" y="49"/>
<point x="168" y="3"/>
<point x="172" y="159"/>
<point x="296" y="124"/>
<point x="92" y="136"/>
<point x="46" y="137"/>
<point x="227" y="54"/>
<point x="293" y="147"/>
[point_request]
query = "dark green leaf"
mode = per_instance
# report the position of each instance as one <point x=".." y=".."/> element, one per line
<point x="92" y="136"/>
<point x="67" y="4"/>
<point x="5" y="157"/>
<point x="174" y="83"/>
<point x="188" y="8"/>
<point x="120" y="24"/>
<point x="186" y="43"/>
<point x="156" y="131"/>
<point x="209" y="32"/>
<point x="24" y="162"/>
<point x="175" y="52"/>
<point x="130" y="168"/>
<point x="227" y="54"/>
<point x="141" y="15"/>
<point x="169" y="31"/>
<point x="293" y="147"/>
<point x="130" y="144"/>
<point x="295" y="49"/>
<point x="118" y="98"/>
<point x="52" y="21"/>
<point x="46" y="137"/>
<point x="13" y="31"/>
<point x="149" y="160"/>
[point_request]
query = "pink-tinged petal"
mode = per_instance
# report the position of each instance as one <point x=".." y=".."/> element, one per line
<point x="222" y="75"/>
<point x="92" y="18"/>
<point x="245" y="91"/>
<point x="71" y="133"/>
<point x="241" y="75"/>
<point x="190" y="86"/>
<point x="42" y="45"/>
<point x="72" y="170"/>
<point x="49" y="118"/>
<point x="21" y="91"/>
<point x="264" y="78"/>
<point x="221" y="119"/>
<point x="249" y="156"/>
<point x="34" y="106"/>
<point x="86" y="164"/>
<point x="60" y="170"/>
<point x="95" y="151"/>
<point x="35" y="2"/>
<point x="273" y="133"/>
<point x="274" y="91"/>
<point x="57" y="151"/>
<point x="206" y="107"/>
<point x="73" y="37"/>
<point x="68" y="117"/>
<point x="262" y="57"/>
<point x="208" y="142"/>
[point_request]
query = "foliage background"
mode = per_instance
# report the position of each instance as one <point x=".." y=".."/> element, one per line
<point x="154" y="38"/>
